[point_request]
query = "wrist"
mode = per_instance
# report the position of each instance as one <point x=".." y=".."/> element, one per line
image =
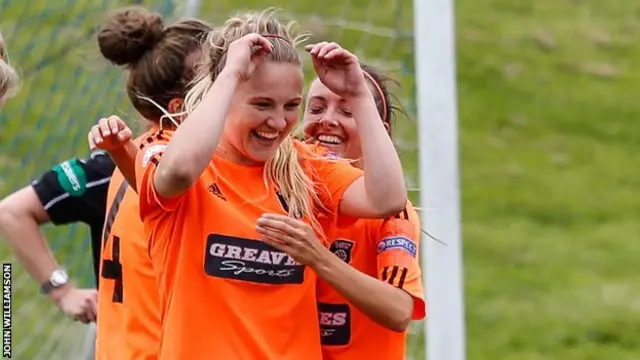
<point x="57" y="294"/>
<point x="122" y="147"/>
<point x="323" y="261"/>
<point x="229" y="77"/>
<point x="359" y="95"/>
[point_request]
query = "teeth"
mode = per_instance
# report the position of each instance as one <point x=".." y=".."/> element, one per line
<point x="330" y="139"/>
<point x="267" y="135"/>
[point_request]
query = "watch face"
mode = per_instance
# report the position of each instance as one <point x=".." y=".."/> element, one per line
<point x="58" y="278"/>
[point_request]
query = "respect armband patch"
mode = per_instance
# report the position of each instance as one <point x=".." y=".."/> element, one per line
<point x="398" y="242"/>
<point x="150" y="152"/>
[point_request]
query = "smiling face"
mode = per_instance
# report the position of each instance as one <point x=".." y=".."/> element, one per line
<point x="263" y="112"/>
<point x="328" y="119"/>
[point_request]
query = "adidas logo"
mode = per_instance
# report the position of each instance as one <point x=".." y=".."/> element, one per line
<point x="215" y="190"/>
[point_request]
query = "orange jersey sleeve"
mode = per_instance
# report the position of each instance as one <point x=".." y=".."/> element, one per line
<point x="147" y="160"/>
<point x="332" y="175"/>
<point x="397" y="248"/>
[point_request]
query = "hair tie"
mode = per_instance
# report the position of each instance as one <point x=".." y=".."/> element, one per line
<point x="383" y="99"/>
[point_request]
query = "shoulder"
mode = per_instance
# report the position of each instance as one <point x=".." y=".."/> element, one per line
<point x="153" y="137"/>
<point x="152" y="144"/>
<point x="405" y="223"/>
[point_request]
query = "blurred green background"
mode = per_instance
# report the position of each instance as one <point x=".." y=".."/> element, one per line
<point x="549" y="156"/>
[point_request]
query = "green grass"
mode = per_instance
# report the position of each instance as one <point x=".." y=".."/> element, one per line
<point x="549" y="148"/>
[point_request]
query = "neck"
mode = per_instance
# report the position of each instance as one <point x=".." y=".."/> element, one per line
<point x="231" y="154"/>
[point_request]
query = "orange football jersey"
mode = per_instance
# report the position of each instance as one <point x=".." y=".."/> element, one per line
<point x="224" y="293"/>
<point x="386" y="249"/>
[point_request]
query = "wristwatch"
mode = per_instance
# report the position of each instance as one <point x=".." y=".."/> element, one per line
<point x="58" y="278"/>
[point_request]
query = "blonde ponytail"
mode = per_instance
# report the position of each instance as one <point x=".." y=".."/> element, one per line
<point x="294" y="184"/>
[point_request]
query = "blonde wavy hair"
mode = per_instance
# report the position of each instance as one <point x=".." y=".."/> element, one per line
<point x="9" y="80"/>
<point x="284" y="169"/>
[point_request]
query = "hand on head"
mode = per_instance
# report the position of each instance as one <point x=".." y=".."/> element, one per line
<point x="245" y="54"/>
<point x="338" y="69"/>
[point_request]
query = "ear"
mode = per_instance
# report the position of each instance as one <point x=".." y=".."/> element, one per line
<point x="386" y="126"/>
<point x="175" y="105"/>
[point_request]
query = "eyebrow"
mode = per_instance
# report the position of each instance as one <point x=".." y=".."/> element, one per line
<point x="266" y="98"/>
<point x="322" y="98"/>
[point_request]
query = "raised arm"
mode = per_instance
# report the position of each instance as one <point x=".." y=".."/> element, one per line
<point x="381" y="192"/>
<point x="196" y="140"/>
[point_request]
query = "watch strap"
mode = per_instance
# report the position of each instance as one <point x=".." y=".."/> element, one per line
<point x="46" y="288"/>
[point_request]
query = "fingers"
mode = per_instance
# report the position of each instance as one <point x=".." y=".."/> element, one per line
<point x="278" y="225"/>
<point x="125" y="135"/>
<point x="278" y="245"/>
<point x="105" y="129"/>
<point x="115" y="124"/>
<point x="92" y="144"/>
<point x="313" y="49"/>
<point x="278" y="236"/>
<point x="288" y="220"/>
<point x="338" y="53"/>
<point x="257" y="41"/>
<point x="82" y="317"/>
<point x="95" y="136"/>
<point x="264" y="43"/>
<point x="327" y="48"/>
<point x="320" y="50"/>
<point x="92" y="306"/>
<point x="82" y="305"/>
<point x="101" y="135"/>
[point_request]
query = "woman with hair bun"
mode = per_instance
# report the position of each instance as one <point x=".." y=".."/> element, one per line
<point x="159" y="61"/>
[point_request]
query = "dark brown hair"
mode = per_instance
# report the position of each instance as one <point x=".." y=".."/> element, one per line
<point x="381" y="94"/>
<point x="155" y="56"/>
<point x="9" y="81"/>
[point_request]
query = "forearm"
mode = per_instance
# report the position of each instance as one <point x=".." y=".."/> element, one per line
<point x="194" y="143"/>
<point x="383" y="303"/>
<point x="29" y="245"/>
<point x="124" y="158"/>
<point x="383" y="176"/>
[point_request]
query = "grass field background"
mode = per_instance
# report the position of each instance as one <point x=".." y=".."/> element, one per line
<point x="549" y="149"/>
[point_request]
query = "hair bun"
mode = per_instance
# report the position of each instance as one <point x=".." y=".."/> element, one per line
<point x="128" y="34"/>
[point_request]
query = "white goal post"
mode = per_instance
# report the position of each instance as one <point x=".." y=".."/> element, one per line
<point x="434" y="44"/>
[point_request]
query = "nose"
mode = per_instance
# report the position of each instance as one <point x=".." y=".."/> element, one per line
<point x="328" y="122"/>
<point x="277" y="122"/>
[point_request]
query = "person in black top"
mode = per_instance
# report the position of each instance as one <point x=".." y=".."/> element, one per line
<point x="73" y="191"/>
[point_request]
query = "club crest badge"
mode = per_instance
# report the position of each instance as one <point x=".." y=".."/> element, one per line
<point x="342" y="249"/>
<point x="150" y="152"/>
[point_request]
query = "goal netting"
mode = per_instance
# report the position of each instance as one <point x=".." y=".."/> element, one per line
<point x="67" y="87"/>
